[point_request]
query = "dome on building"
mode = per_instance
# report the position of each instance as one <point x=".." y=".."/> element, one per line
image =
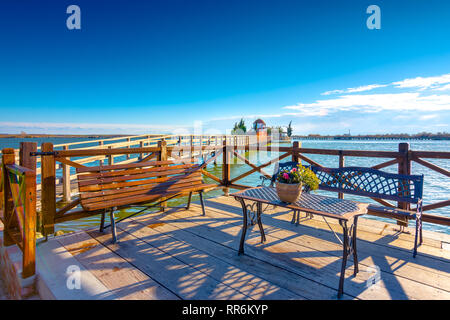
<point x="259" y="121"/>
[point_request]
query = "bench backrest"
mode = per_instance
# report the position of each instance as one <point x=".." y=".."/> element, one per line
<point x="371" y="183"/>
<point x="117" y="183"/>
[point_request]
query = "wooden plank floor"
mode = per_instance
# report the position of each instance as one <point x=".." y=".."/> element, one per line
<point x="180" y="254"/>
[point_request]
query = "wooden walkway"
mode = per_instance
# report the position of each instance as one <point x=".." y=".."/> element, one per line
<point x="181" y="254"/>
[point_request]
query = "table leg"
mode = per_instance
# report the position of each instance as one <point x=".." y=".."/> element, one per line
<point x="293" y="216"/>
<point x="343" y="223"/>
<point x="355" y="253"/>
<point x="261" y="229"/>
<point x="349" y="247"/>
<point x="244" y="226"/>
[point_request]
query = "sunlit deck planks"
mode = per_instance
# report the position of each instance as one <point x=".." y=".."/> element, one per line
<point x="181" y="254"/>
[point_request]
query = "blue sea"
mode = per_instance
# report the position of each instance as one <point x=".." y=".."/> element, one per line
<point x="436" y="185"/>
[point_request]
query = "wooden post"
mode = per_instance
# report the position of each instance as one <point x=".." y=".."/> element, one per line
<point x="192" y="148"/>
<point x="404" y="167"/>
<point x="341" y="165"/>
<point x="162" y="156"/>
<point x="8" y="157"/>
<point x="48" y="189"/>
<point x="180" y="154"/>
<point x="128" y="146"/>
<point x="100" y="143"/>
<point x="141" y="145"/>
<point x="29" y="240"/>
<point x="225" y="165"/>
<point x="67" y="192"/>
<point x="295" y="146"/>
<point x="26" y="160"/>
<point x="110" y="158"/>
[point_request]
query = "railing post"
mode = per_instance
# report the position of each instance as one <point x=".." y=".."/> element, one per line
<point x="8" y="157"/>
<point x="67" y="192"/>
<point x="225" y="165"/>
<point x="341" y="165"/>
<point x="404" y="167"/>
<point x="295" y="146"/>
<point x="48" y="189"/>
<point x="128" y="146"/>
<point x="110" y="158"/>
<point x="100" y="143"/>
<point x="26" y="160"/>
<point x="29" y="237"/>
<point x="162" y="156"/>
<point x="141" y="145"/>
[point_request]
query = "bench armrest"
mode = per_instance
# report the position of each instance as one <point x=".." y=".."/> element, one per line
<point x="264" y="179"/>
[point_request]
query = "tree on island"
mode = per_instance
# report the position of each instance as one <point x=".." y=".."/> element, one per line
<point x="289" y="129"/>
<point x="239" y="127"/>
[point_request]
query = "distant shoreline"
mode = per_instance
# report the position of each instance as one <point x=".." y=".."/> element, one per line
<point x="87" y="136"/>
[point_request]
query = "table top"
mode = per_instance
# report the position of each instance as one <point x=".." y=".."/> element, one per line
<point x="308" y="202"/>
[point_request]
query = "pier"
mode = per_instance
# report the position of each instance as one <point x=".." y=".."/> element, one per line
<point x="180" y="254"/>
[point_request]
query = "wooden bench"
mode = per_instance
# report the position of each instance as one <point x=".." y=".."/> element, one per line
<point x="104" y="188"/>
<point x="373" y="183"/>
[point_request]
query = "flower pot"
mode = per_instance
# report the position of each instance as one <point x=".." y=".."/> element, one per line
<point x="289" y="193"/>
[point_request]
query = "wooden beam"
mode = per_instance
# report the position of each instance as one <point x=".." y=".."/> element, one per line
<point x="8" y="157"/>
<point x="432" y="166"/>
<point x="48" y="189"/>
<point x="259" y="167"/>
<point x="29" y="240"/>
<point x="385" y="164"/>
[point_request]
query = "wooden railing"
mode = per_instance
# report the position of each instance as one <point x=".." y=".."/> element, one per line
<point x="57" y="167"/>
<point x="59" y="201"/>
<point x="18" y="186"/>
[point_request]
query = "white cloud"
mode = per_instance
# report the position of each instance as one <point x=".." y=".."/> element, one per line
<point x="327" y="93"/>
<point x="443" y="88"/>
<point x="423" y="83"/>
<point x="357" y="89"/>
<point x="366" y="88"/>
<point x="376" y="103"/>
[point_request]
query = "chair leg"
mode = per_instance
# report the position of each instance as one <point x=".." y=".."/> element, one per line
<point x="113" y="226"/>
<point x="102" y="222"/>
<point x="415" y="238"/>
<point x="189" y="201"/>
<point x="420" y="228"/>
<point x="202" y="202"/>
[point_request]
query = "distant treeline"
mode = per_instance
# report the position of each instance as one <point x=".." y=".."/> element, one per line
<point x="391" y="136"/>
<point x="32" y="135"/>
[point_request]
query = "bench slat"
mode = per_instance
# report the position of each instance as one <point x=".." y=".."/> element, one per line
<point x="143" y="199"/>
<point x="148" y="184"/>
<point x="137" y="176"/>
<point x="108" y="174"/>
<point x="147" y="190"/>
<point x="156" y="190"/>
<point x="100" y="187"/>
<point x="126" y="166"/>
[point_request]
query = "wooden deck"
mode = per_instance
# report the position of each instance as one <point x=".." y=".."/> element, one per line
<point x="181" y="254"/>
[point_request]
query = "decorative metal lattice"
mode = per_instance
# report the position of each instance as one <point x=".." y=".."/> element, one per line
<point x="371" y="182"/>
<point x="306" y="201"/>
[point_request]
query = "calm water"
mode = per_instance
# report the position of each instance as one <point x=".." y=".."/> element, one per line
<point x="436" y="186"/>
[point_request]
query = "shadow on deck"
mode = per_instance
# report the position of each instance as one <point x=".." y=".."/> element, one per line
<point x="180" y="254"/>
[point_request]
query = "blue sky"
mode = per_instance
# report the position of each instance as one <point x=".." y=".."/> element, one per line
<point x="169" y="65"/>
